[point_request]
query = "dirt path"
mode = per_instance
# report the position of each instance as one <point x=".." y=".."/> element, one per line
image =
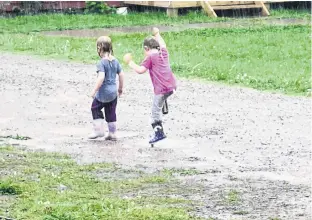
<point x="256" y="143"/>
<point x="177" y="27"/>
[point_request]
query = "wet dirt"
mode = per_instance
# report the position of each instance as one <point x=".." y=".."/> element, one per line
<point x="256" y="143"/>
<point x="165" y="28"/>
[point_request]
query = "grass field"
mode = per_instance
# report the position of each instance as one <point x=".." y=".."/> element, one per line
<point x="260" y="57"/>
<point x="265" y="58"/>
<point x="26" y="24"/>
<point x="289" y="13"/>
<point x="50" y="186"/>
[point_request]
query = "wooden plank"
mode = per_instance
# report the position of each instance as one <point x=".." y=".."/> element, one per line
<point x="276" y="1"/>
<point x="172" y="12"/>
<point x="214" y="3"/>
<point x="208" y="9"/>
<point x="162" y="4"/>
<point x="228" y="7"/>
<point x="264" y="11"/>
<point x="184" y="4"/>
<point x="144" y="3"/>
<point x="166" y="4"/>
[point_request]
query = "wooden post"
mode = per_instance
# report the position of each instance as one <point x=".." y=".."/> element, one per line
<point x="208" y="9"/>
<point x="172" y="12"/>
<point x="264" y="11"/>
<point x="267" y="5"/>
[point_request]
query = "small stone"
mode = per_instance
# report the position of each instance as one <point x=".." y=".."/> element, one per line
<point x="62" y="187"/>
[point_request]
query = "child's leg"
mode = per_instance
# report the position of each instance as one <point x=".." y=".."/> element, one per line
<point x="97" y="115"/>
<point x="158" y="104"/>
<point x="165" y="109"/>
<point x="110" y="115"/>
<point x="96" y="109"/>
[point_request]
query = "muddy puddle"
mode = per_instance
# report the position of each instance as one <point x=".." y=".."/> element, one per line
<point x="247" y="155"/>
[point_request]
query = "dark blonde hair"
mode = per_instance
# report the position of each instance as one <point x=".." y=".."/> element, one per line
<point x="104" y="45"/>
<point x="151" y="43"/>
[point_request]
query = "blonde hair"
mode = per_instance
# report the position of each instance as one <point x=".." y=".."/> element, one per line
<point x="104" y="46"/>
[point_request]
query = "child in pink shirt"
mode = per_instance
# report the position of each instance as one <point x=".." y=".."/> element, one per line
<point x="163" y="80"/>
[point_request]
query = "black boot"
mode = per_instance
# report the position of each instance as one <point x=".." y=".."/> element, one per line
<point x="159" y="132"/>
<point x="165" y="109"/>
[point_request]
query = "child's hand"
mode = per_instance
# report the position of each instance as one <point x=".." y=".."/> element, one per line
<point x="155" y="31"/>
<point x="127" y="58"/>
<point x="92" y="95"/>
<point x="119" y="92"/>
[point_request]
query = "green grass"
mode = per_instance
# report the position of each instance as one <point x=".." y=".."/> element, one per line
<point x="9" y="188"/>
<point x="52" y="186"/>
<point x="16" y="137"/>
<point x="182" y="172"/>
<point x="291" y="13"/>
<point x="45" y="22"/>
<point x="233" y="197"/>
<point x="270" y="58"/>
<point x="25" y="24"/>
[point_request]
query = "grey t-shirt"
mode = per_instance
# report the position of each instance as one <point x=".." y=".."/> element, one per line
<point x="108" y="90"/>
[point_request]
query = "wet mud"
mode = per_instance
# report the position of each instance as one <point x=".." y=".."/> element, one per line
<point x="252" y="149"/>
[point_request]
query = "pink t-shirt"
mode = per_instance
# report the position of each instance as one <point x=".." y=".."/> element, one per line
<point x="160" y="72"/>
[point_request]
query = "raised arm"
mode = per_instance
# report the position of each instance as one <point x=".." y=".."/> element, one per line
<point x="158" y="37"/>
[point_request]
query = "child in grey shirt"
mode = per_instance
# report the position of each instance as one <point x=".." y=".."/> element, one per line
<point x="105" y="91"/>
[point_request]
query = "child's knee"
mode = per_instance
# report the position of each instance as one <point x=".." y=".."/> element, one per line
<point x="110" y="116"/>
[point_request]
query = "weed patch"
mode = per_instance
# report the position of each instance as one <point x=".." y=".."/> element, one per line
<point x="182" y="172"/>
<point x="53" y="186"/>
<point x="9" y="188"/>
<point x="233" y="197"/>
<point x="16" y="137"/>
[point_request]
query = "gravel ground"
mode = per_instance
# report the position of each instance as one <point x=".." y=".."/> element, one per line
<point x="253" y="148"/>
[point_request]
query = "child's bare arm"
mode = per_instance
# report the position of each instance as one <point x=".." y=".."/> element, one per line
<point x="137" y="68"/>
<point x="128" y="60"/>
<point x="159" y="38"/>
<point x="121" y="82"/>
<point x="98" y="84"/>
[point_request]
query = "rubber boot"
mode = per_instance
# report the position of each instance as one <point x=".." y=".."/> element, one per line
<point x="159" y="132"/>
<point x="111" y="132"/>
<point x="165" y="108"/>
<point x="98" y="129"/>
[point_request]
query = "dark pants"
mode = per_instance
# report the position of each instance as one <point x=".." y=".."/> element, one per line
<point x="109" y="110"/>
